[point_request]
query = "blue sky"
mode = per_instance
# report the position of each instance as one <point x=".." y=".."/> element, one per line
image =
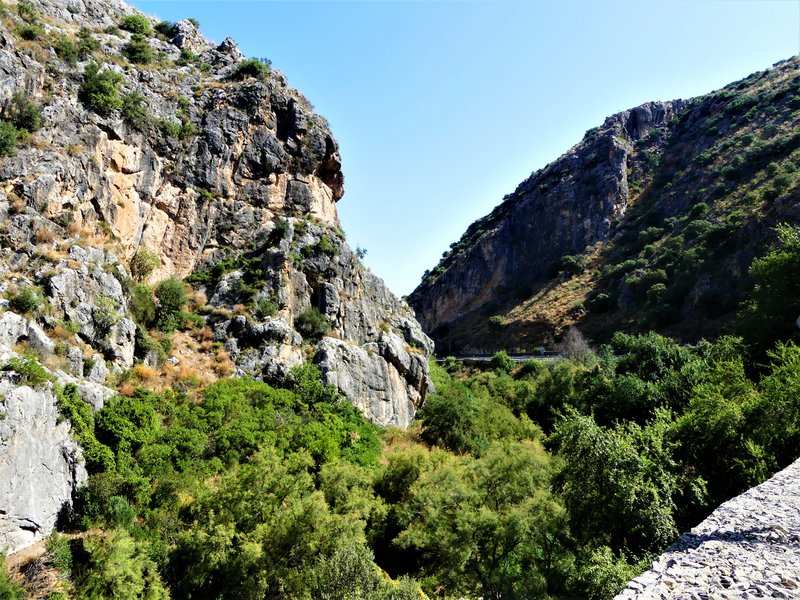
<point x="441" y="108"/>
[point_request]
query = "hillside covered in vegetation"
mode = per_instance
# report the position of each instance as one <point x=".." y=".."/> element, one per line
<point x="652" y="221"/>
<point x="204" y="394"/>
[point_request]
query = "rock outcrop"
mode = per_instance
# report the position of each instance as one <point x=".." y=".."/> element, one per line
<point x="747" y="548"/>
<point x="678" y="195"/>
<point x="561" y="210"/>
<point x="219" y="170"/>
<point x="40" y="464"/>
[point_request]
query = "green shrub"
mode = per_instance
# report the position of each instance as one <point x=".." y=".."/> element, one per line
<point x="265" y="307"/>
<point x="66" y="50"/>
<point x="119" y="513"/>
<point x="117" y="566"/>
<point x="187" y="57"/>
<point x="496" y="322"/>
<point x="60" y="554"/>
<point x="25" y="114"/>
<point x="569" y="264"/>
<point x="141" y="304"/>
<point x="312" y="324"/>
<point x="501" y="361"/>
<point x="133" y="110"/>
<point x="105" y="317"/>
<point x="172" y="297"/>
<point x="194" y="22"/>
<point x="138" y="50"/>
<point x="30" y="31"/>
<point x="137" y="24"/>
<point x="9" y="138"/>
<point x="252" y="67"/>
<point x="143" y="264"/>
<point x="31" y="372"/>
<point x="8" y="589"/>
<point x="26" y="300"/>
<point x="81" y="416"/>
<point x="27" y="11"/>
<point x="87" y="43"/>
<point x="100" y="89"/>
<point x="167" y="29"/>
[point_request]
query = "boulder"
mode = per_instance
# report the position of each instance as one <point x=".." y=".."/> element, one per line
<point x="40" y="465"/>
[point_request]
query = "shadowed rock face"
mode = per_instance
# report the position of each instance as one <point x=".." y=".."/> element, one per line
<point x="234" y="178"/>
<point x="561" y="210"/>
<point x="649" y="223"/>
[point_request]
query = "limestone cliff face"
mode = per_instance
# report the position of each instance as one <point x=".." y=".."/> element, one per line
<point x="228" y="176"/>
<point x="650" y="222"/>
<point x="561" y="210"/>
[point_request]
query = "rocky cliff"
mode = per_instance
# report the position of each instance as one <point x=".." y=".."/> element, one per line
<point x="148" y="151"/>
<point x="649" y="222"/>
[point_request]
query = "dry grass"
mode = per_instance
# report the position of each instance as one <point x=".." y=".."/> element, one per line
<point x="17" y="204"/>
<point x="144" y="373"/>
<point x="59" y="332"/>
<point x="44" y="236"/>
<point x="198" y="301"/>
<point x="223" y="365"/>
<point x="400" y="440"/>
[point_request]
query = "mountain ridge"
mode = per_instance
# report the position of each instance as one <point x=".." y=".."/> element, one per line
<point x="535" y="265"/>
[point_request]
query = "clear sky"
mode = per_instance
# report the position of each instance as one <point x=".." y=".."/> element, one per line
<point x="443" y="107"/>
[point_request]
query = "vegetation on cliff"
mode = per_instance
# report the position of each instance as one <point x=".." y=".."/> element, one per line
<point x="650" y="222"/>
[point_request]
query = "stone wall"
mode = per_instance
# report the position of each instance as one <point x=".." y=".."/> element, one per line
<point x="749" y="547"/>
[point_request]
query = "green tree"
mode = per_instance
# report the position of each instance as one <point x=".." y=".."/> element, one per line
<point x="100" y="89"/>
<point x="114" y="565"/>
<point x="488" y="527"/>
<point x="172" y="297"/>
<point x="501" y="361"/>
<point x="262" y="533"/>
<point x="773" y="309"/>
<point x="617" y="484"/>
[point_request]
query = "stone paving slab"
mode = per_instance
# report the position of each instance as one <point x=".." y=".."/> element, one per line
<point x="748" y="548"/>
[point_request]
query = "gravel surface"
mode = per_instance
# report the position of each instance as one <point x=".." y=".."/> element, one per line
<point x="748" y="548"/>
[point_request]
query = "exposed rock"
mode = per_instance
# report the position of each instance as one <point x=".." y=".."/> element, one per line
<point x="187" y="37"/>
<point x="649" y="223"/>
<point x="75" y="360"/>
<point x="371" y="383"/>
<point x="561" y="210"/>
<point x="98" y="371"/>
<point x="250" y="181"/>
<point x="12" y="328"/>
<point x="747" y="548"/>
<point x="236" y="179"/>
<point x="39" y="342"/>
<point x="40" y="465"/>
<point x="229" y="48"/>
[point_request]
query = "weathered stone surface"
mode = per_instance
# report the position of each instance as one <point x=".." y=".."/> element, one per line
<point x="12" y="328"/>
<point x="371" y="383"/>
<point x="187" y="37"/>
<point x="256" y="187"/>
<point x="747" y="548"/>
<point x="40" y="464"/>
<point x="39" y="342"/>
<point x="560" y="210"/>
